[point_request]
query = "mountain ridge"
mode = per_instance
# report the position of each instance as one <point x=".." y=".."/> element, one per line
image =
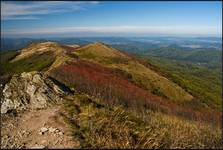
<point x="116" y="59"/>
<point x="115" y="101"/>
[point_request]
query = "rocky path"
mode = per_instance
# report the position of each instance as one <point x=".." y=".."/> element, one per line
<point x="36" y="129"/>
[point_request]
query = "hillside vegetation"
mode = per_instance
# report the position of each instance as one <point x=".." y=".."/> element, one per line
<point x="203" y="82"/>
<point x="140" y="75"/>
<point x="105" y="126"/>
<point x="35" y="62"/>
<point x="208" y="57"/>
<point x="116" y="100"/>
<point x="35" y="57"/>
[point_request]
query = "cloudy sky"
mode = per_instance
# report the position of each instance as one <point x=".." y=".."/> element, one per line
<point x="67" y="18"/>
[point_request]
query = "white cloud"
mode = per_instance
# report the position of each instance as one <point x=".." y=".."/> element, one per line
<point x="23" y="18"/>
<point x="109" y="30"/>
<point x="19" y="10"/>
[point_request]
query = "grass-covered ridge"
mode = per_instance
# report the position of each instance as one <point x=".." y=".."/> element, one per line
<point x="36" y="62"/>
<point x="35" y="57"/>
<point x="141" y="76"/>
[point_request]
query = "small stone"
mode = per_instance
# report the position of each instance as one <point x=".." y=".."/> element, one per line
<point x="38" y="147"/>
<point x="41" y="133"/>
<point x="5" y="136"/>
<point x="37" y="78"/>
<point x="24" y="132"/>
<point x="56" y="142"/>
<point x="43" y="129"/>
<point x="43" y="141"/>
<point x="60" y="133"/>
<point x="51" y="129"/>
<point x="57" y="130"/>
<point x="13" y="145"/>
<point x="7" y="105"/>
<point x="61" y="140"/>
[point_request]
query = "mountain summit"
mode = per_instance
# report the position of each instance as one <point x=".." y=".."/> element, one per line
<point x="109" y="57"/>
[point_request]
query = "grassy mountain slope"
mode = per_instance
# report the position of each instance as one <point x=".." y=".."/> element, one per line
<point x="38" y="48"/>
<point x="118" y="102"/>
<point x="117" y="78"/>
<point x="140" y="75"/>
<point x="35" y="57"/>
<point x="203" y="82"/>
<point x="112" y="86"/>
<point x="35" y="62"/>
<point x="106" y="126"/>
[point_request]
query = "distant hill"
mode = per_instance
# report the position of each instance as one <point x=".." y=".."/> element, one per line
<point x="202" y="56"/>
<point x="10" y="44"/>
<point x="130" y="44"/>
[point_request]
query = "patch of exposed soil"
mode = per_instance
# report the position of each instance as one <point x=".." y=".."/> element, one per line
<point x="43" y="128"/>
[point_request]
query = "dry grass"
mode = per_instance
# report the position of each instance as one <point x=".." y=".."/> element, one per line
<point x="56" y="50"/>
<point x="104" y="126"/>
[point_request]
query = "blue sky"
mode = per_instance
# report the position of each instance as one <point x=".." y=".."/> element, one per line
<point x="67" y="18"/>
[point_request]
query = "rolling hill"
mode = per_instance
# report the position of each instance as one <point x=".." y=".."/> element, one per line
<point x="140" y="75"/>
<point x="114" y="94"/>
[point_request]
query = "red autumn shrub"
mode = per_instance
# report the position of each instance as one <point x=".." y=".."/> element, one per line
<point x="115" y="89"/>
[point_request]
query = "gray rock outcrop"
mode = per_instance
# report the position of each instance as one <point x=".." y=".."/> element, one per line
<point x="31" y="90"/>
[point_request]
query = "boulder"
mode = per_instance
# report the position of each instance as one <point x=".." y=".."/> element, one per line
<point x="32" y="90"/>
<point x="6" y="105"/>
